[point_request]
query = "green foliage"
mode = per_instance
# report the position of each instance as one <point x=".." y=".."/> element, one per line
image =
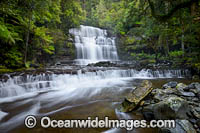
<point x="36" y="27"/>
<point x="8" y="33"/>
<point x="139" y="56"/>
<point x="176" y="54"/>
<point x="13" y="58"/>
<point x="2" y="71"/>
<point x="27" y="64"/>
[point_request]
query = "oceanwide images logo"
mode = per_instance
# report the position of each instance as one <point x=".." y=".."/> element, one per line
<point x="30" y="121"/>
<point x="47" y="122"/>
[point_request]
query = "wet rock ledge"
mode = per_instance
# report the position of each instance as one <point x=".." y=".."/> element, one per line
<point x="174" y="101"/>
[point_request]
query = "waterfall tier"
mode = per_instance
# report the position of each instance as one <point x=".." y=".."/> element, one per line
<point x="93" y="45"/>
<point x="19" y="85"/>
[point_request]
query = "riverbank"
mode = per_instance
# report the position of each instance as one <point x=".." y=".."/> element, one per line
<point x="174" y="100"/>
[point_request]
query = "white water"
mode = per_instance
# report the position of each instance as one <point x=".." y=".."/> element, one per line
<point x="59" y="92"/>
<point x="93" y="45"/>
<point x="26" y="85"/>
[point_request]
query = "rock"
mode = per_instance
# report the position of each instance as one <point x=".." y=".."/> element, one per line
<point x="182" y="126"/>
<point x="194" y="91"/>
<point x="103" y="64"/>
<point x="189" y="87"/>
<point x="192" y="99"/>
<point x="34" y="65"/>
<point x="187" y="94"/>
<point x="172" y="107"/>
<point x="198" y="95"/>
<point x="58" y="64"/>
<point x="148" y="115"/>
<point x="193" y="121"/>
<point x="198" y="123"/>
<point x="193" y="87"/>
<point x="186" y="125"/>
<point x="197" y="86"/>
<point x="195" y="77"/>
<point x="160" y="94"/>
<point x="195" y="113"/>
<point x="134" y="98"/>
<point x="147" y="112"/>
<point x="181" y="86"/>
<point x="172" y="84"/>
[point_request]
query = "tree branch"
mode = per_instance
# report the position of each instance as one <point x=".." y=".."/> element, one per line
<point x="165" y="17"/>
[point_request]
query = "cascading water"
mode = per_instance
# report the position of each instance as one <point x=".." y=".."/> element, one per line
<point x="93" y="45"/>
<point x="20" y="85"/>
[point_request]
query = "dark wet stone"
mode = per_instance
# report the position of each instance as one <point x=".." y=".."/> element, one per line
<point x="189" y="87"/>
<point x="172" y="84"/>
<point x="181" y="86"/>
<point x="195" y="77"/>
<point x="198" y="95"/>
<point x="182" y="126"/>
<point x="171" y="108"/>
<point x="198" y="123"/>
<point x="188" y="94"/>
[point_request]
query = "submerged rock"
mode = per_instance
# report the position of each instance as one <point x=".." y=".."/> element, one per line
<point x="171" y="108"/>
<point x="135" y="97"/>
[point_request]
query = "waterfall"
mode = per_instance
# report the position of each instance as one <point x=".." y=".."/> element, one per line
<point x="20" y="85"/>
<point x="93" y="45"/>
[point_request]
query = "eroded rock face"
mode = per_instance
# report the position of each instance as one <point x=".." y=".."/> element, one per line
<point x="135" y="97"/>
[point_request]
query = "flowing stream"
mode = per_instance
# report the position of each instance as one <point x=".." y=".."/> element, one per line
<point x="74" y="96"/>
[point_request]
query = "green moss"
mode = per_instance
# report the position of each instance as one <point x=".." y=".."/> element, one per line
<point x="152" y="61"/>
<point x="2" y="71"/>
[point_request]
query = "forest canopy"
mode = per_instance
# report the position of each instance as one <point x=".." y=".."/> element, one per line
<point x="35" y="31"/>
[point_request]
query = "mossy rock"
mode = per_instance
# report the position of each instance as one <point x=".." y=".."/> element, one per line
<point x="134" y="98"/>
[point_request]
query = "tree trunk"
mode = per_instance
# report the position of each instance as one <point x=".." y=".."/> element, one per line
<point x="167" y="26"/>
<point x="182" y="39"/>
<point x="27" y="38"/>
<point x="167" y="47"/>
<point x="193" y="7"/>
<point x="183" y="44"/>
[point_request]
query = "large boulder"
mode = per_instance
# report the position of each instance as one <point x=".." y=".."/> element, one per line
<point x="136" y="96"/>
<point x="172" y="107"/>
